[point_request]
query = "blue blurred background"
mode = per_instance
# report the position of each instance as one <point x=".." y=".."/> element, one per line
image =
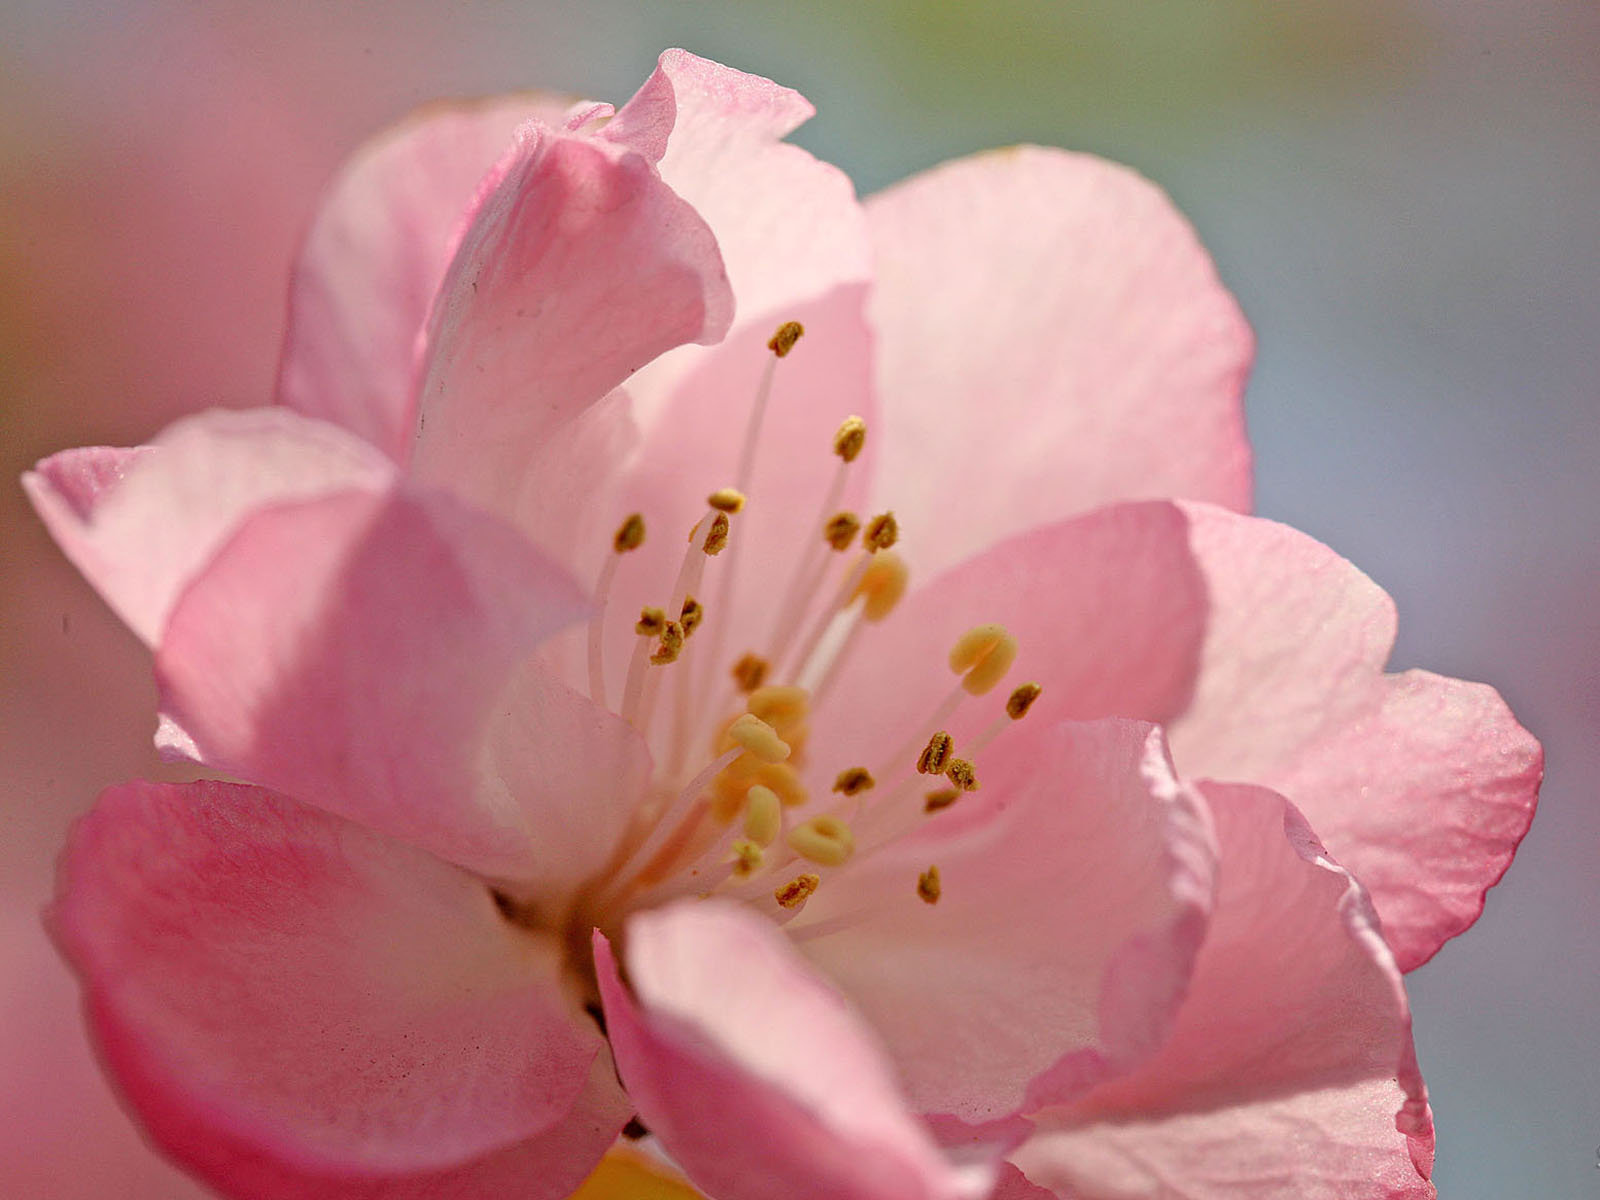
<point x="1403" y="195"/>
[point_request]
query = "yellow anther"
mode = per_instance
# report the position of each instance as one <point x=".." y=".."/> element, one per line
<point x="841" y="530"/>
<point x="783" y="706"/>
<point x="651" y="622"/>
<point x="693" y="613"/>
<point x="728" y="500"/>
<point x="928" y="885"/>
<point x="1021" y="700"/>
<point x="717" y="539"/>
<point x="671" y="645"/>
<point x="850" y="438"/>
<point x="826" y="841"/>
<point x="881" y="532"/>
<point x="852" y="781"/>
<point x="797" y="891"/>
<point x="959" y="772"/>
<point x="629" y="535"/>
<point x="936" y="754"/>
<point x="882" y="585"/>
<point x="758" y="738"/>
<point x="746" y="858"/>
<point x="985" y="653"/>
<point x="784" y="339"/>
<point x="750" y="672"/>
<point x="940" y="800"/>
<point x="763" y="815"/>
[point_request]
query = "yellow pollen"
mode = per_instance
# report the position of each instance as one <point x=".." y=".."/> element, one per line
<point x="759" y="738"/>
<point x="985" y="653"/>
<point x="671" y="645"/>
<point x="959" y="772"/>
<point x="1021" y="700"/>
<point x="746" y="858"/>
<point x="841" y="530"/>
<point x="936" y="754"/>
<point x="750" y="672"/>
<point x="629" y="535"/>
<point x="928" y="885"/>
<point x="826" y="841"/>
<point x="784" y="339"/>
<point x="729" y="791"/>
<point x="881" y="533"/>
<point x="940" y="800"/>
<point x="882" y="585"/>
<point x="651" y="622"/>
<point x="728" y="500"/>
<point x="783" y="706"/>
<point x="693" y="613"/>
<point x="853" y="780"/>
<point x="717" y="539"/>
<point x="852" y="436"/>
<point x="797" y="891"/>
<point x="763" y="815"/>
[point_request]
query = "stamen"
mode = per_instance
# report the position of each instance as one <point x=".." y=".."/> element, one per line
<point x="671" y="645"/>
<point x="853" y="780"/>
<point x="784" y="339"/>
<point x="841" y="529"/>
<point x="960" y="772"/>
<point x="629" y="536"/>
<point x="693" y="613"/>
<point x="763" y="815"/>
<point x="850" y="438"/>
<point x="928" y="886"/>
<point x="755" y="736"/>
<point x="933" y="760"/>
<point x="1021" y="700"/>
<point x="728" y="500"/>
<point x="940" y="800"/>
<point x="984" y="654"/>
<point x="824" y="840"/>
<point x="797" y="891"/>
<point x="882" y="586"/>
<point x="746" y="858"/>
<point x="750" y="672"/>
<point x="731" y="789"/>
<point x="782" y="706"/>
<point x="717" y="539"/>
<point x="881" y="532"/>
<point x="651" y="622"/>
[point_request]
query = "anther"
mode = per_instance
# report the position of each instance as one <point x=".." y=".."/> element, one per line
<point x="651" y="622"/>
<point x="942" y="799"/>
<point x="784" y="339"/>
<point x="841" y="530"/>
<point x="671" y="644"/>
<point x="783" y="706"/>
<point x="985" y="653"/>
<point x="937" y="753"/>
<point x="1021" y="700"/>
<point x="763" y="815"/>
<point x="850" y="438"/>
<point x="797" y="891"/>
<point x="881" y="532"/>
<point x="746" y="858"/>
<point x="717" y="538"/>
<point x="928" y="886"/>
<point x="629" y="535"/>
<point x="824" y="840"/>
<point x="959" y="772"/>
<point x="882" y="585"/>
<point x="853" y="781"/>
<point x="758" y="738"/>
<point x="728" y="500"/>
<point x="750" y="672"/>
<point x="693" y="613"/>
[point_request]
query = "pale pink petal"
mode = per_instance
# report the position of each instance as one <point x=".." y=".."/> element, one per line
<point x="1051" y="315"/>
<point x="1422" y="786"/>
<point x="756" y="1076"/>
<point x="579" y="266"/>
<point x="297" y="1007"/>
<point x="140" y="523"/>
<point x="373" y="258"/>
<point x="1075" y="888"/>
<point x="353" y="650"/>
<point x="1290" y="1074"/>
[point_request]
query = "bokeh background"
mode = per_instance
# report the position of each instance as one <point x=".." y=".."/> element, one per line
<point x="1404" y="194"/>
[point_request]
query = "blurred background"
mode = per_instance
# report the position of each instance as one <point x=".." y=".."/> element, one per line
<point x="1405" y="195"/>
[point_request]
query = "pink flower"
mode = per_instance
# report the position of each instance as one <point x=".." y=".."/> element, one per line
<point x="497" y="849"/>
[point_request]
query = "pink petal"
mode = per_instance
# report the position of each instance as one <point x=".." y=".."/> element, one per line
<point x="1049" y="316"/>
<point x="353" y="650"/>
<point x="374" y="257"/>
<point x="1075" y="888"/>
<point x="1422" y="786"/>
<point x="1290" y="1072"/>
<point x="579" y="266"/>
<point x="756" y="1076"/>
<point x="141" y="523"/>
<point x="297" y="1007"/>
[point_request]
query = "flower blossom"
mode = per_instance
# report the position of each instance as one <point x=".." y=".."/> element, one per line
<point x="693" y="652"/>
